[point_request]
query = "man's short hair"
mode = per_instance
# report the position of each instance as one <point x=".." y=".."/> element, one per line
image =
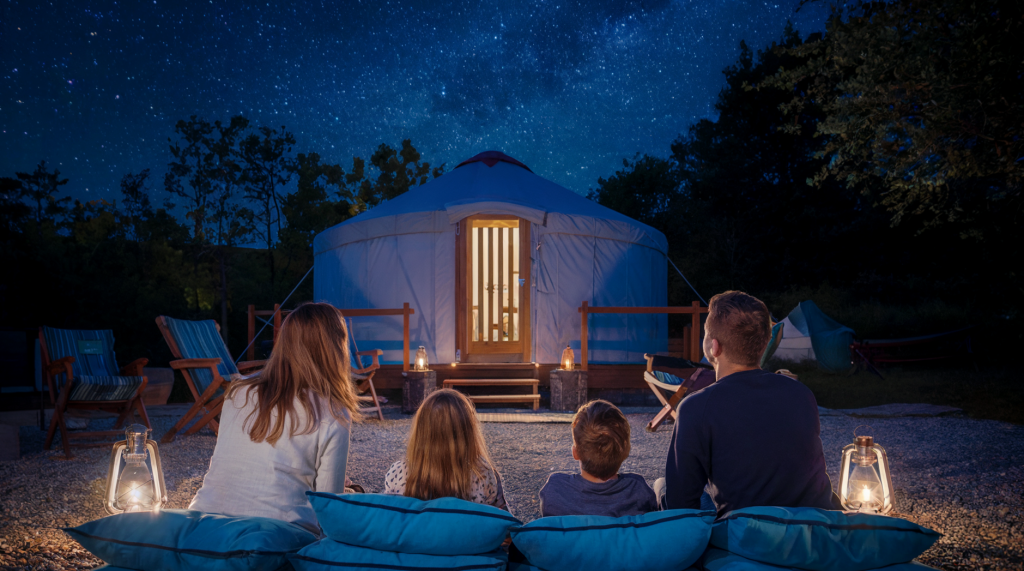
<point x="742" y="325"/>
<point x="601" y="434"/>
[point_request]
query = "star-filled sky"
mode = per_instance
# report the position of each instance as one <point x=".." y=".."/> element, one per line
<point x="568" y="87"/>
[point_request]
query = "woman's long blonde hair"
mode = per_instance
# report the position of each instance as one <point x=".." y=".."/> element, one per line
<point x="446" y="448"/>
<point x="309" y="364"/>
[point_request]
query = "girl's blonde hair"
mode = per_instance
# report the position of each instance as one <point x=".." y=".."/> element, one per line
<point x="309" y="364"/>
<point x="446" y="448"/>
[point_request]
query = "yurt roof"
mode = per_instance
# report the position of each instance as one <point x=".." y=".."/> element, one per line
<point x="490" y="183"/>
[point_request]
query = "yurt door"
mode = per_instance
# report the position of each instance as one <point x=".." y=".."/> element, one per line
<point x="495" y="294"/>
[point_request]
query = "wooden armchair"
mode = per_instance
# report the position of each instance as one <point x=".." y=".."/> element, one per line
<point x="81" y="373"/>
<point x="363" y="376"/>
<point x="206" y="364"/>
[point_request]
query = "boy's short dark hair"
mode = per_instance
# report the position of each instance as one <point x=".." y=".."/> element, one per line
<point x="742" y="325"/>
<point x="601" y="434"/>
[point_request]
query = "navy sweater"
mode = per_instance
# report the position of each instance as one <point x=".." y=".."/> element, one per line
<point x="754" y="436"/>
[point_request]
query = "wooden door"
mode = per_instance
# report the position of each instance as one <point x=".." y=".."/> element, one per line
<point x="494" y="292"/>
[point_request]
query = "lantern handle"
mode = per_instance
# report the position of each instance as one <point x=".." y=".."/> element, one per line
<point x="855" y="435"/>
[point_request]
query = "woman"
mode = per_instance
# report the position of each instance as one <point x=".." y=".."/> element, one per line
<point x="286" y="431"/>
<point x="446" y="455"/>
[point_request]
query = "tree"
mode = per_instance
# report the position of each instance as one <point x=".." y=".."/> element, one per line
<point x="234" y="223"/>
<point x="40" y="189"/>
<point x="13" y="211"/>
<point x="135" y="204"/>
<point x="190" y="175"/>
<point x="922" y="107"/>
<point x="643" y="190"/>
<point x="399" y="170"/>
<point x="267" y="167"/>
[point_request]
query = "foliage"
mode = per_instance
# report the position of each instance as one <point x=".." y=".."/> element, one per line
<point x="923" y="107"/>
<point x="643" y="190"/>
<point x="742" y="216"/>
<point x="119" y="264"/>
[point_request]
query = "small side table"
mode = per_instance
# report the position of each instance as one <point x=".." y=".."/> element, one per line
<point x="415" y="387"/>
<point x="568" y="389"/>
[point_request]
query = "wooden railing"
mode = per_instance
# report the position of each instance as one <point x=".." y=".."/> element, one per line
<point x="695" y="310"/>
<point x="405" y="311"/>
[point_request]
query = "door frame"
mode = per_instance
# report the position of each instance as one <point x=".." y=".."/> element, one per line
<point x="463" y="277"/>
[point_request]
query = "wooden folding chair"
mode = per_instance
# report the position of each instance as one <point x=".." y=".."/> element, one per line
<point x="86" y="362"/>
<point x="203" y="359"/>
<point x="664" y="375"/>
<point x="363" y="376"/>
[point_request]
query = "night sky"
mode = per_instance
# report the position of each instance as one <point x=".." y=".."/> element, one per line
<point x="568" y="87"/>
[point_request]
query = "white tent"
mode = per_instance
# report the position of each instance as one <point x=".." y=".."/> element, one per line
<point x="406" y="250"/>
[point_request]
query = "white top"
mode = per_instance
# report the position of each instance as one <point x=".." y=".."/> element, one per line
<point x="481" y="490"/>
<point x="247" y="478"/>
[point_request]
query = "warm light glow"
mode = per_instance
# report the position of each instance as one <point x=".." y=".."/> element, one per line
<point x="865" y="495"/>
<point x="419" y="363"/>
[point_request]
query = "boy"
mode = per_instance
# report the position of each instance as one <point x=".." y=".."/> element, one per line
<point x="600" y="441"/>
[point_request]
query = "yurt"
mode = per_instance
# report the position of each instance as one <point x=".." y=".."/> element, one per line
<point x="810" y="335"/>
<point x="496" y="261"/>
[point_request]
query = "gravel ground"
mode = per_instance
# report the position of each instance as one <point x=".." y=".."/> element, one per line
<point x="961" y="477"/>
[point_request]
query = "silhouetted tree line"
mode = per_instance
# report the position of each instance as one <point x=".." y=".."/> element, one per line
<point x="118" y="264"/>
<point x="876" y="164"/>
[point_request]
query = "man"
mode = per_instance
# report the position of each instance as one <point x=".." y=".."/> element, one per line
<point x="752" y="437"/>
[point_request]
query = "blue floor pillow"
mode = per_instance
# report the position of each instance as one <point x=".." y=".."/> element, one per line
<point x="820" y="540"/>
<point x="186" y="540"/>
<point x="330" y="555"/>
<point x="719" y="560"/>
<point x="658" y="541"/>
<point x="445" y="526"/>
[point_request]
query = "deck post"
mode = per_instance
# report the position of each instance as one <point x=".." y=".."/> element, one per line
<point x="251" y="353"/>
<point x="695" y="333"/>
<point x="583" y="336"/>
<point x="277" y="321"/>
<point x="405" y="336"/>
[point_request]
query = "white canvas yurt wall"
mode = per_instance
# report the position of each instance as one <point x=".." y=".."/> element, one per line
<point x="404" y="251"/>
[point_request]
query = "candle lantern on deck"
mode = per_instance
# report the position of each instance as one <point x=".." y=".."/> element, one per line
<point x="568" y="358"/>
<point x="865" y="484"/>
<point x="135" y="482"/>
<point x="421" y="363"/>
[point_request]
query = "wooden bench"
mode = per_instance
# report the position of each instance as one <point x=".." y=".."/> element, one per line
<point x="532" y="398"/>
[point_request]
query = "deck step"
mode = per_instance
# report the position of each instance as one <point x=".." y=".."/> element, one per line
<point x="535" y="399"/>
<point x="532" y="397"/>
<point x="491" y="382"/>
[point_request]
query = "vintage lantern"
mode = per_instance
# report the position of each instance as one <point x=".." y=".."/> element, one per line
<point x="421" y="359"/>
<point x="865" y="484"/>
<point x="135" y="482"/>
<point x="568" y="358"/>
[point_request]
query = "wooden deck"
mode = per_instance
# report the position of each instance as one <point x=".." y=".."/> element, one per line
<point x="599" y="376"/>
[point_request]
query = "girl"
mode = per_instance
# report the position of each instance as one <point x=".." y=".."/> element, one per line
<point x="286" y="431"/>
<point x="446" y="455"/>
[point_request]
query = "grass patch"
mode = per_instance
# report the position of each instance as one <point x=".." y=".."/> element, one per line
<point x="989" y="392"/>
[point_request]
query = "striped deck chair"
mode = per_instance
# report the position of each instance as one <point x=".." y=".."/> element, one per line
<point x="363" y="375"/>
<point x="81" y="372"/>
<point x="665" y="375"/>
<point x="206" y="364"/>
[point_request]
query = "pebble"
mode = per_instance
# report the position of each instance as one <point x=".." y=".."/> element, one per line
<point x="959" y="476"/>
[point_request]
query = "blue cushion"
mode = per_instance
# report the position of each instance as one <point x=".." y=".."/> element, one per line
<point x="408" y="525"/>
<point x="528" y="567"/>
<point x="104" y="388"/>
<point x="669" y="540"/>
<point x="820" y="540"/>
<point x="668" y="378"/>
<point x="187" y="540"/>
<point x="719" y="560"/>
<point x="330" y="555"/>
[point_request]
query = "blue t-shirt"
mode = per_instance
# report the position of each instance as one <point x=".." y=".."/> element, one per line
<point x="571" y="494"/>
<point x="754" y="438"/>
